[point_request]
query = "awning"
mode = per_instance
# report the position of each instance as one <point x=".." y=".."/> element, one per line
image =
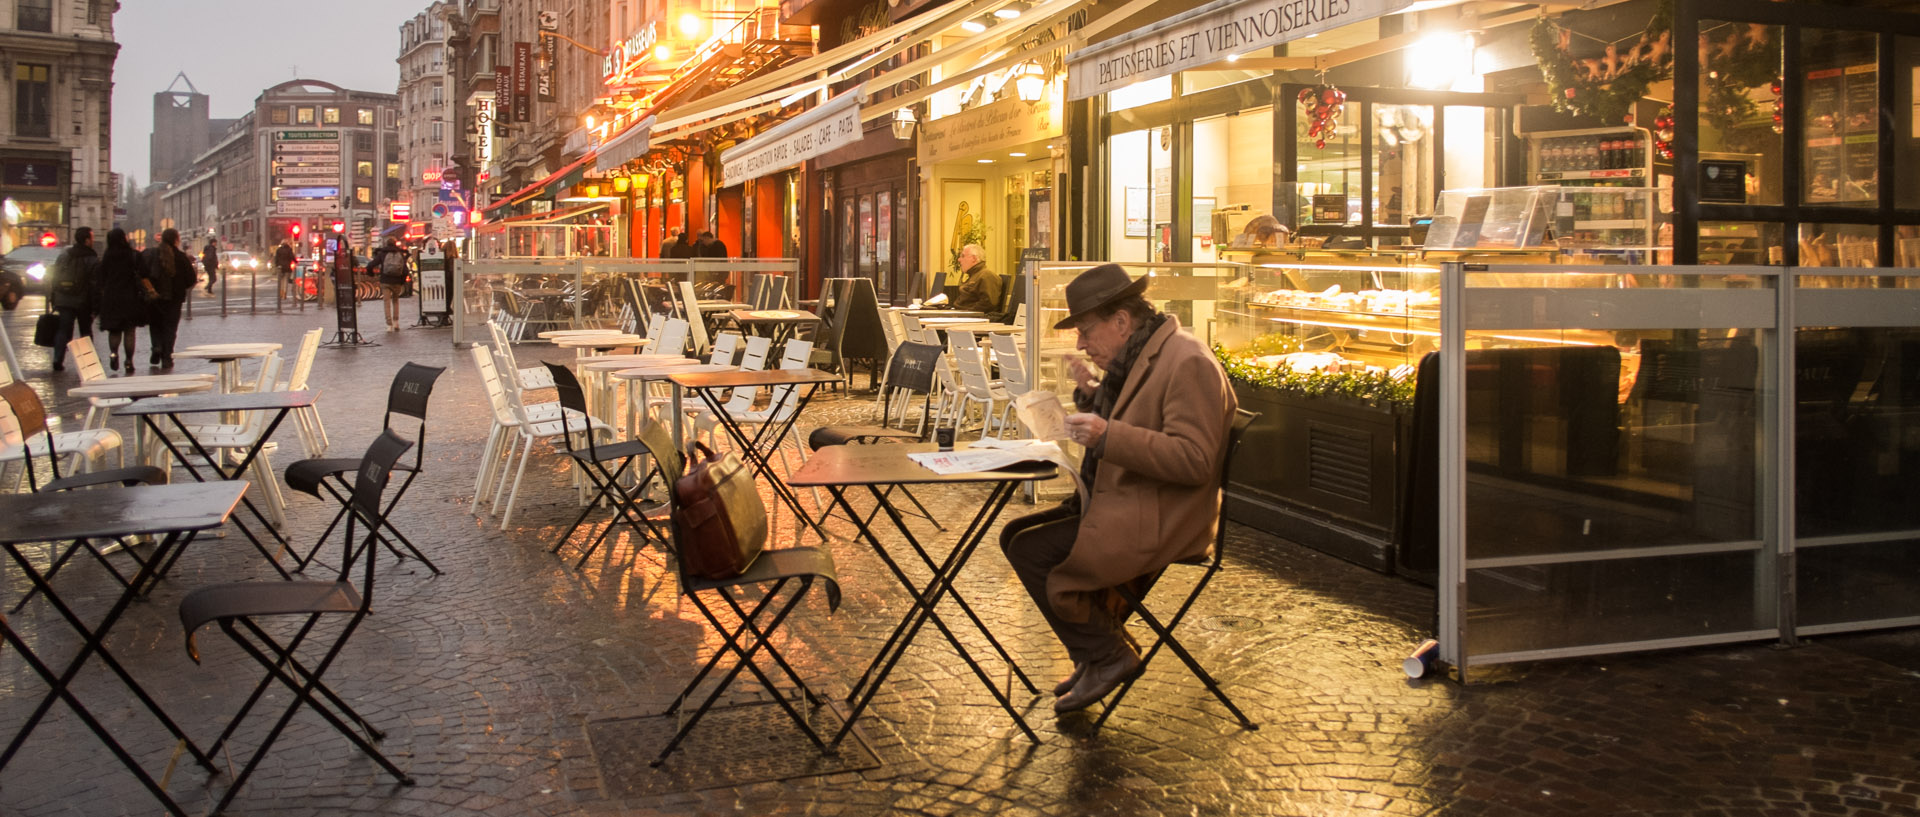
<point x="822" y="129"/>
<point x="550" y="217"/>
<point x="1210" y="34"/>
<point x="631" y="144"/>
<point x="564" y="177"/>
<point x="1001" y="48"/>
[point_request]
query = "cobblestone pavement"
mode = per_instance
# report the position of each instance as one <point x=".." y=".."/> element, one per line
<point x="487" y="677"/>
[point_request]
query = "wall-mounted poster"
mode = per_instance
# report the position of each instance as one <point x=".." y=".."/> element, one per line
<point x="1136" y="212"/>
<point x="963" y="218"/>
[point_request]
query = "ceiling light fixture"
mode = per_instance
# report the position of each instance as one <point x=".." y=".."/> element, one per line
<point x="984" y="161"/>
<point x="1011" y="10"/>
<point x="1018" y="154"/>
<point x="977" y="24"/>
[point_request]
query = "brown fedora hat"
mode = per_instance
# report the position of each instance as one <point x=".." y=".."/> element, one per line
<point x="1098" y="287"/>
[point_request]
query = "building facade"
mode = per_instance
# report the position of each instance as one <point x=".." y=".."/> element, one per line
<point x="55" y="172"/>
<point x="310" y="153"/>
<point x="428" y="139"/>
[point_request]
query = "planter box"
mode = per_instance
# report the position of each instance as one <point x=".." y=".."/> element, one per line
<point x="1323" y="472"/>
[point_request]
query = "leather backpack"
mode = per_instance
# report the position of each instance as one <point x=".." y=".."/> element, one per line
<point x="722" y="522"/>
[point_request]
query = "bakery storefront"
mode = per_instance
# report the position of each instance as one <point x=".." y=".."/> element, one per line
<point x="1634" y="371"/>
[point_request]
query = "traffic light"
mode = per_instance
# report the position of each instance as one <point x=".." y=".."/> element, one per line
<point x="296" y="233"/>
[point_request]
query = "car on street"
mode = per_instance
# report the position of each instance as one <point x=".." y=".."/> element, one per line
<point x="33" y="264"/>
<point x="236" y="260"/>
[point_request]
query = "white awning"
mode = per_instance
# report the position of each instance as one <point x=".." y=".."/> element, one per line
<point x="1210" y="34"/>
<point x="631" y="144"/>
<point x="825" y="128"/>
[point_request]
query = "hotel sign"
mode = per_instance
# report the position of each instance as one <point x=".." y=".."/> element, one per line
<point x="1208" y="35"/>
<point x="1000" y="126"/>
<point x="828" y="127"/>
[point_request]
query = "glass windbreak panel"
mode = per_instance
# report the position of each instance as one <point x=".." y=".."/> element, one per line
<point x="1527" y="608"/>
<point x="1740" y="114"/>
<point x="1231" y="185"/>
<point x="1742" y="242"/>
<point x="1856" y="432"/>
<point x="1328" y="171"/>
<point x="1140" y="195"/>
<point x="1403" y="159"/>
<point x="1839" y="245"/>
<point x="1841" y="119"/>
<point x="1613" y="487"/>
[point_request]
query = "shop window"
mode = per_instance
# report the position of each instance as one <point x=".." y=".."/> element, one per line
<point x="1839" y="245"/>
<point x="366" y="116"/>
<point x="1840" y="119"/>
<point x="1231" y="158"/>
<point x="35" y="15"/>
<point x="1140" y="196"/>
<point x="1141" y="93"/>
<point x="303" y="116"/>
<point x="1403" y="159"/>
<point x="1740" y="115"/>
<point x="277" y="116"/>
<point x="393" y="170"/>
<point x="330" y="116"/>
<point x="1741" y="242"/>
<point x="363" y="169"/>
<point x="32" y="100"/>
<point x="1329" y="170"/>
<point x="363" y="142"/>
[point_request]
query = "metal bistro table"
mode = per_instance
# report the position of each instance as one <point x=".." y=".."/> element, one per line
<point x="878" y="468"/>
<point x="227" y="357"/>
<point x="139" y="386"/>
<point x="764" y="442"/>
<point x="172" y="512"/>
<point x="779" y="324"/>
<point x="279" y="402"/>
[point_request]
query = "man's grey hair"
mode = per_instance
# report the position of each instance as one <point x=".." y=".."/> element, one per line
<point x="975" y="249"/>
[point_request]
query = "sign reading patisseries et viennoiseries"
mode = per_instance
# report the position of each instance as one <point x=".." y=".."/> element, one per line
<point x="1208" y="35"/>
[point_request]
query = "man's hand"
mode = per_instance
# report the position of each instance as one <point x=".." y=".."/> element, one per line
<point x="1086" y="429"/>
<point x="1085" y="376"/>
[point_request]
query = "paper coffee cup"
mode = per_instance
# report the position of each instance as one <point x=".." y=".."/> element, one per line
<point x="1421" y="662"/>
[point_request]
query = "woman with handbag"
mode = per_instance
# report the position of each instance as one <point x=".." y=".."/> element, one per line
<point x="122" y="292"/>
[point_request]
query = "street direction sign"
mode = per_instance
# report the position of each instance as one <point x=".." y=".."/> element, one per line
<point x="306" y="147"/>
<point x="309" y="175"/>
<point x="306" y="135"/>
<point x="310" y="207"/>
<point x="308" y="193"/>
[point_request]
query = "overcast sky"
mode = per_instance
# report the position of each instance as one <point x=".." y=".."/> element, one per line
<point x="234" y="49"/>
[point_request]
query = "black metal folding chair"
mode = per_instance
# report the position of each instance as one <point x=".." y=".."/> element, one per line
<point x="30" y="414"/>
<point x="593" y="461"/>
<point x="758" y="619"/>
<point x="1209" y="565"/>
<point x="237" y="606"/>
<point x="412" y="385"/>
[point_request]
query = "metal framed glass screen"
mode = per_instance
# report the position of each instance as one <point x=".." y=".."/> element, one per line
<point x="1607" y="459"/>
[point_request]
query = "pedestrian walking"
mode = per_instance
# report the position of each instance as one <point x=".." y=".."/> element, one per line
<point x="391" y="262"/>
<point x="173" y="276"/>
<point x="210" y="261"/>
<point x="121" y="292"/>
<point x="70" y="288"/>
<point x="679" y="247"/>
<point x="1155" y="432"/>
<point x="709" y="247"/>
<point x="283" y="259"/>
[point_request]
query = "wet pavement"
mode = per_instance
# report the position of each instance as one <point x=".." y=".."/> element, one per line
<point x="515" y="684"/>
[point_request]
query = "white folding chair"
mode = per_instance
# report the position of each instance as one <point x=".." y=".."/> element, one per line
<point x="533" y="377"/>
<point x="313" y="434"/>
<point x="976" y="388"/>
<point x="1013" y="377"/>
<point x="725" y="346"/>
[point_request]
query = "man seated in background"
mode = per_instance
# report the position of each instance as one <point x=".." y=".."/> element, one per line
<point x="979" y="286"/>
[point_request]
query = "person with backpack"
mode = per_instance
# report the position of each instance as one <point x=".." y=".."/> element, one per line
<point x="70" y="289"/>
<point x="210" y="261"/>
<point x="391" y="262"/>
<point x="174" y="276"/>
<point x="283" y="260"/>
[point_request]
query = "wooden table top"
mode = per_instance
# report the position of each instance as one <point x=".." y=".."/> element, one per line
<point x="118" y="511"/>
<point x="766" y="377"/>
<point x="773" y="316"/>
<point x="562" y="333"/>
<point x="199" y="403"/>
<point x="887" y="464"/>
<point x="614" y="363"/>
<point x="227" y="351"/>
<point x="599" y="341"/>
<point x="666" y="372"/>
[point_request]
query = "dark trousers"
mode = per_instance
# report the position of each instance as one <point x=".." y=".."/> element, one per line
<point x="74" y="323"/>
<point x="163" y="330"/>
<point x="1034" y="545"/>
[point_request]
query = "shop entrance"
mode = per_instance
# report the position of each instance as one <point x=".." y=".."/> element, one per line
<point x="872" y="226"/>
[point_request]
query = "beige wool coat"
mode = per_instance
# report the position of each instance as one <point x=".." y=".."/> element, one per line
<point x="1156" y="496"/>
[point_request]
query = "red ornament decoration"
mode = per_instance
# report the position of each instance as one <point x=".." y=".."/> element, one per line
<point x="1322" y="105"/>
<point x="1663" y="133"/>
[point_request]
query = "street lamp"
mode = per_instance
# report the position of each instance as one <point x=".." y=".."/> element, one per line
<point x="903" y="122"/>
<point x="1030" y="82"/>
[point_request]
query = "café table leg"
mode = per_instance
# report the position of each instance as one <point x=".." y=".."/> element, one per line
<point x="924" y="607"/>
<point x="751" y="446"/>
<point x="213" y="463"/>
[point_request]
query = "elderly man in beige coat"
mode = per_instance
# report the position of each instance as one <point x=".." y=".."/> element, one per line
<point x="1155" y="430"/>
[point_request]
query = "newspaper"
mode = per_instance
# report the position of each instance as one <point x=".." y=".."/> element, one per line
<point x="1042" y="414"/>
<point x="990" y="455"/>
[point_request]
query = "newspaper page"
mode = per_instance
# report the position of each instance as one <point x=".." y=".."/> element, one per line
<point x="1042" y="414"/>
<point x="989" y="455"/>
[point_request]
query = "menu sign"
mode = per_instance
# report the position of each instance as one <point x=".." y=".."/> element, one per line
<point x="1723" y="181"/>
<point x="1842" y="133"/>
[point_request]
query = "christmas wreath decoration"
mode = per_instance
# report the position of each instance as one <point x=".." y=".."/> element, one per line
<point x="1605" y="87"/>
<point x="1735" y="59"/>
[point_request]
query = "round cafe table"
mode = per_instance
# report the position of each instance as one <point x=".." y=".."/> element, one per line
<point x="227" y="356"/>
<point x="552" y="334"/>
<point x="637" y="378"/>
<point x="601" y="395"/>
